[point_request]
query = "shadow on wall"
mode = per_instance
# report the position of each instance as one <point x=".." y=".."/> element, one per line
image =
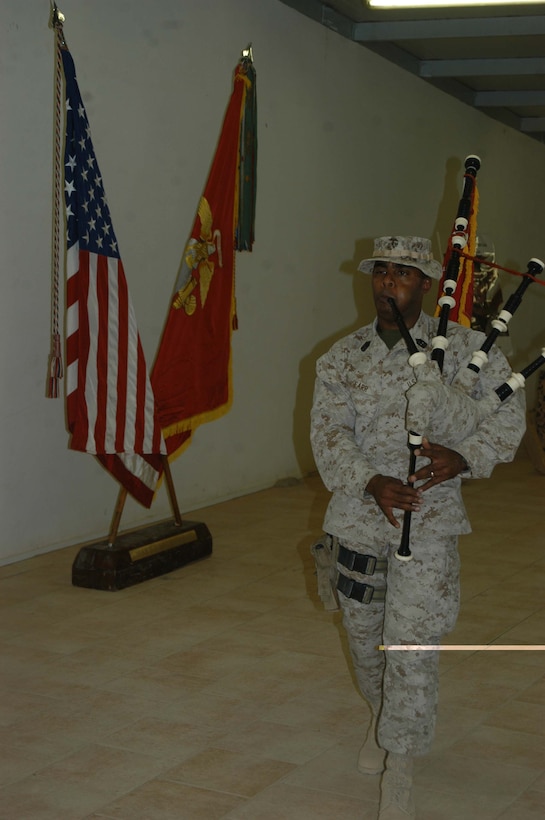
<point x="453" y="183"/>
<point x="363" y="249"/>
<point x="307" y="367"/>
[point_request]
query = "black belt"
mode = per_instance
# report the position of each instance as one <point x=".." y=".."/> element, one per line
<point x="366" y="564"/>
<point x="364" y="593"/>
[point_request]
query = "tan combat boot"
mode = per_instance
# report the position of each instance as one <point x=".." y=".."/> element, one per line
<point x="396" y="800"/>
<point x="371" y="756"/>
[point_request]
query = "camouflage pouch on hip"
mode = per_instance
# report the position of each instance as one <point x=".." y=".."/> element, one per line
<point x="325" y="552"/>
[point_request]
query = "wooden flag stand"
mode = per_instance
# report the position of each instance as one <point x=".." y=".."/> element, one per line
<point x="139" y="554"/>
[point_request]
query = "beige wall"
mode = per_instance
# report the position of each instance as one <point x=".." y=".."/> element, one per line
<point x="349" y="147"/>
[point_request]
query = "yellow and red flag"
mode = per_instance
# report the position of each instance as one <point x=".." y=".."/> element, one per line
<point x="191" y="377"/>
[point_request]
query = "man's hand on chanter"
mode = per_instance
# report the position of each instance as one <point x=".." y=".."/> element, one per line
<point x="444" y="464"/>
<point x="391" y="493"/>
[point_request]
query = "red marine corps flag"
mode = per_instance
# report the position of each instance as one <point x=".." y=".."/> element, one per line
<point x="110" y="403"/>
<point x="191" y="376"/>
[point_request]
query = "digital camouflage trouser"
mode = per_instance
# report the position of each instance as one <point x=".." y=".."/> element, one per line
<point x="421" y="606"/>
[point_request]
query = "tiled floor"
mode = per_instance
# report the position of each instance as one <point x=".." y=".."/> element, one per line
<point x="223" y="689"/>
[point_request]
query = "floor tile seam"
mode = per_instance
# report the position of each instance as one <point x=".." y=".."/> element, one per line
<point x="102" y="686"/>
<point x="93" y="739"/>
<point x="520" y="697"/>
<point x="30" y="775"/>
<point x="485" y="578"/>
<point x="6" y="575"/>
<point x="202" y="680"/>
<point x="205" y="789"/>
<point x="491" y="585"/>
<point x="488" y="679"/>
<point x="16" y="633"/>
<point x="242" y="665"/>
<point x="164" y="765"/>
<point x="453" y="670"/>
<point x="50" y="581"/>
<point x="81" y="723"/>
<point x="51" y="761"/>
<point x="49" y="699"/>
<point x="516" y="698"/>
<point x="42" y="774"/>
<point x="487" y="724"/>
<point x="31" y="603"/>
<point x="299" y="683"/>
<point x="316" y="789"/>
<point x="83" y="699"/>
<point x="498" y="635"/>
<point x="479" y="722"/>
<point x="279" y="680"/>
<point x="24" y="606"/>
<point x="454" y="664"/>
<point x="515" y="626"/>
<point x="531" y="563"/>
<point x="515" y="598"/>
<point x="336" y="737"/>
<point x="223" y="744"/>
<point x="101" y="740"/>
<point x="510" y="609"/>
<point x="477" y="791"/>
<point x="43" y="666"/>
<point x="451" y="753"/>
<point x="527" y="788"/>
<point x="281" y="778"/>
<point x="448" y="694"/>
<point x="540" y="769"/>
<point x="421" y="791"/>
<point x="336" y="793"/>
<point x="81" y="678"/>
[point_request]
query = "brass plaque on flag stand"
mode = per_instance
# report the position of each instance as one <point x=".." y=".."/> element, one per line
<point x="140" y="554"/>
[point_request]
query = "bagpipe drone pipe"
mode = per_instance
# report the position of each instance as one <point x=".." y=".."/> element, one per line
<point x="458" y="240"/>
<point x="430" y="397"/>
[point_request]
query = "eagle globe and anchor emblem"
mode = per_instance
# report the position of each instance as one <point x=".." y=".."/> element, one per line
<point x="197" y="257"/>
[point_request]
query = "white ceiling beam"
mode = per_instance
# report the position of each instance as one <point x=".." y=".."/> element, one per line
<point x="482" y="67"/>
<point x="532" y="124"/>
<point x="498" y="99"/>
<point x="441" y="29"/>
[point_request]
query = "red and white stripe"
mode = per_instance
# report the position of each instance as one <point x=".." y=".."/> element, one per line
<point x="110" y="402"/>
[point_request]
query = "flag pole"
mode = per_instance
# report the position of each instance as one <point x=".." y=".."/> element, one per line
<point x="118" y="512"/>
<point x="172" y="492"/>
<point x="122" y="497"/>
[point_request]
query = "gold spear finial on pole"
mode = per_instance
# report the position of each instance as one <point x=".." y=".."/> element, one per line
<point x="247" y="53"/>
<point x="56" y="20"/>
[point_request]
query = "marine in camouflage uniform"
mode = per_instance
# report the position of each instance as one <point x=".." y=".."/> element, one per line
<point x="359" y="440"/>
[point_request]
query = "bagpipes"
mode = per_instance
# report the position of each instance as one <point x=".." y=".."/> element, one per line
<point x="459" y="238"/>
<point x="429" y="393"/>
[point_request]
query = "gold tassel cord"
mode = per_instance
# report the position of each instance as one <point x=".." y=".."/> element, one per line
<point x="55" y="368"/>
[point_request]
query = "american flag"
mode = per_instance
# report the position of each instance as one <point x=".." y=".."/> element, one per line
<point x="110" y="403"/>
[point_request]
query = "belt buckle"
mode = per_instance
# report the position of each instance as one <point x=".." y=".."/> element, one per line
<point x="370" y="565"/>
<point x="368" y="592"/>
<point x="348" y="558"/>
